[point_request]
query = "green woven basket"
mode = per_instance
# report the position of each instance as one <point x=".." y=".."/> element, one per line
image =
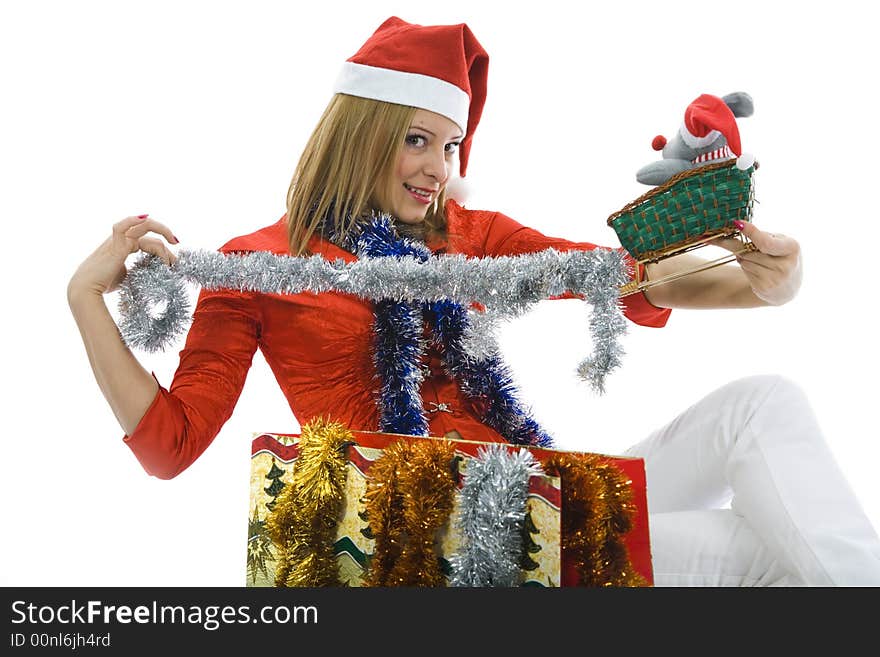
<point x="690" y="207"/>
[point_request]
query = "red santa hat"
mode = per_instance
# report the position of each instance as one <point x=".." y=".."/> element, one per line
<point x="707" y="117"/>
<point x="440" y="68"/>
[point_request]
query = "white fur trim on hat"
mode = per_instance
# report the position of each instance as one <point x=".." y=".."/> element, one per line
<point x="412" y="89"/>
<point x="697" y="142"/>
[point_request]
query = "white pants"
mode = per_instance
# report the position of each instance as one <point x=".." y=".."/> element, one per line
<point x="743" y="491"/>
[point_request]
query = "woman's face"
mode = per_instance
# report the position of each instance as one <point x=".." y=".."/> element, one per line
<point x="423" y="168"/>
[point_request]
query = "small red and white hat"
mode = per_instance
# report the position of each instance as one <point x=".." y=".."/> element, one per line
<point x="707" y="117"/>
<point x="439" y="68"/>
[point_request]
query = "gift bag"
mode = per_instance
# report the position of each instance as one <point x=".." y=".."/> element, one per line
<point x="445" y="513"/>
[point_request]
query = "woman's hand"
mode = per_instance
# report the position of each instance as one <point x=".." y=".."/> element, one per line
<point x="771" y="275"/>
<point x="774" y="271"/>
<point x="127" y="386"/>
<point x="104" y="269"/>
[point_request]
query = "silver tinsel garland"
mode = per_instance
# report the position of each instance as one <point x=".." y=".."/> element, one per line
<point x="491" y="517"/>
<point x="155" y="309"/>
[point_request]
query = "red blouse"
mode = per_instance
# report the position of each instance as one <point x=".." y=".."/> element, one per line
<point x="319" y="347"/>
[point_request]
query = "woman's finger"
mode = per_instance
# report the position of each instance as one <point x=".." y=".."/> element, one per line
<point x="775" y="244"/>
<point x="775" y="263"/>
<point x="760" y="279"/>
<point x="120" y="227"/>
<point x="140" y="229"/>
<point x="731" y="244"/>
<point x="753" y="270"/>
<point x="157" y="248"/>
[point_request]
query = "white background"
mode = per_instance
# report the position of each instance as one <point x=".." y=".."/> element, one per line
<point x="196" y="112"/>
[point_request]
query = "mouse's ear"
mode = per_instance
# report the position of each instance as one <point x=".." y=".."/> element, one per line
<point x="740" y="103"/>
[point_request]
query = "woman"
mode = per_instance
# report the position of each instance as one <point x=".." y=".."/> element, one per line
<point x="406" y="104"/>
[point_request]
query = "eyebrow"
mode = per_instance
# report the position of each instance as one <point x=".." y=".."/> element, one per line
<point x="418" y="127"/>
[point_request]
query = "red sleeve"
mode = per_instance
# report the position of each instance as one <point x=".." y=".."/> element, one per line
<point x="183" y="421"/>
<point x="505" y="236"/>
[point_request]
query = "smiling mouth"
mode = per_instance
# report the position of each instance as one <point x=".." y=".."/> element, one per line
<point x="423" y="194"/>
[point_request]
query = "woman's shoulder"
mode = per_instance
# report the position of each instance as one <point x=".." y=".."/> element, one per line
<point x="272" y="238"/>
<point x="482" y="228"/>
<point x="458" y="213"/>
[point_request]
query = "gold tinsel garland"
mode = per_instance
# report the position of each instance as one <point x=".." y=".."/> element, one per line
<point x="409" y="497"/>
<point x="410" y="494"/>
<point x="383" y="510"/>
<point x="597" y="510"/>
<point x="305" y="517"/>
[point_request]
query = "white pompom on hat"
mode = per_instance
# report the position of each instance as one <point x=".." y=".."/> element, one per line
<point x="439" y="68"/>
<point x="458" y="189"/>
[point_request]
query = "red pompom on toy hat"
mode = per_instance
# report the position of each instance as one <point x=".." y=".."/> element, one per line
<point x="707" y="116"/>
<point x="439" y="68"/>
<point x="658" y="143"/>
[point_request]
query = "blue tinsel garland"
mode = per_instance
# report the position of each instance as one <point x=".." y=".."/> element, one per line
<point x="399" y="349"/>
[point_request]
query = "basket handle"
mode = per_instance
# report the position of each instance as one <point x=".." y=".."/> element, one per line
<point x="637" y="286"/>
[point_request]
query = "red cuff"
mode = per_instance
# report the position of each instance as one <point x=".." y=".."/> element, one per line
<point x="147" y="440"/>
<point x="636" y="307"/>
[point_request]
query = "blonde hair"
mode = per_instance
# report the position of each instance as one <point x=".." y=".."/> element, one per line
<point x="347" y="165"/>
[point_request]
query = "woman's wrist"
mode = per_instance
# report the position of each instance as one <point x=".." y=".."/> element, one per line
<point x="82" y="296"/>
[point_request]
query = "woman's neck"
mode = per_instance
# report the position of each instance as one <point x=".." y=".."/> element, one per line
<point x="416" y="232"/>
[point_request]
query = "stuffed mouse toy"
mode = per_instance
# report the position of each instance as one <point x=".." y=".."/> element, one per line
<point x="709" y="133"/>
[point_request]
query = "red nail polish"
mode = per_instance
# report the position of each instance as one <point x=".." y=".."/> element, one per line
<point x="739" y="225"/>
<point x="176" y="241"/>
<point x="142" y="216"/>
